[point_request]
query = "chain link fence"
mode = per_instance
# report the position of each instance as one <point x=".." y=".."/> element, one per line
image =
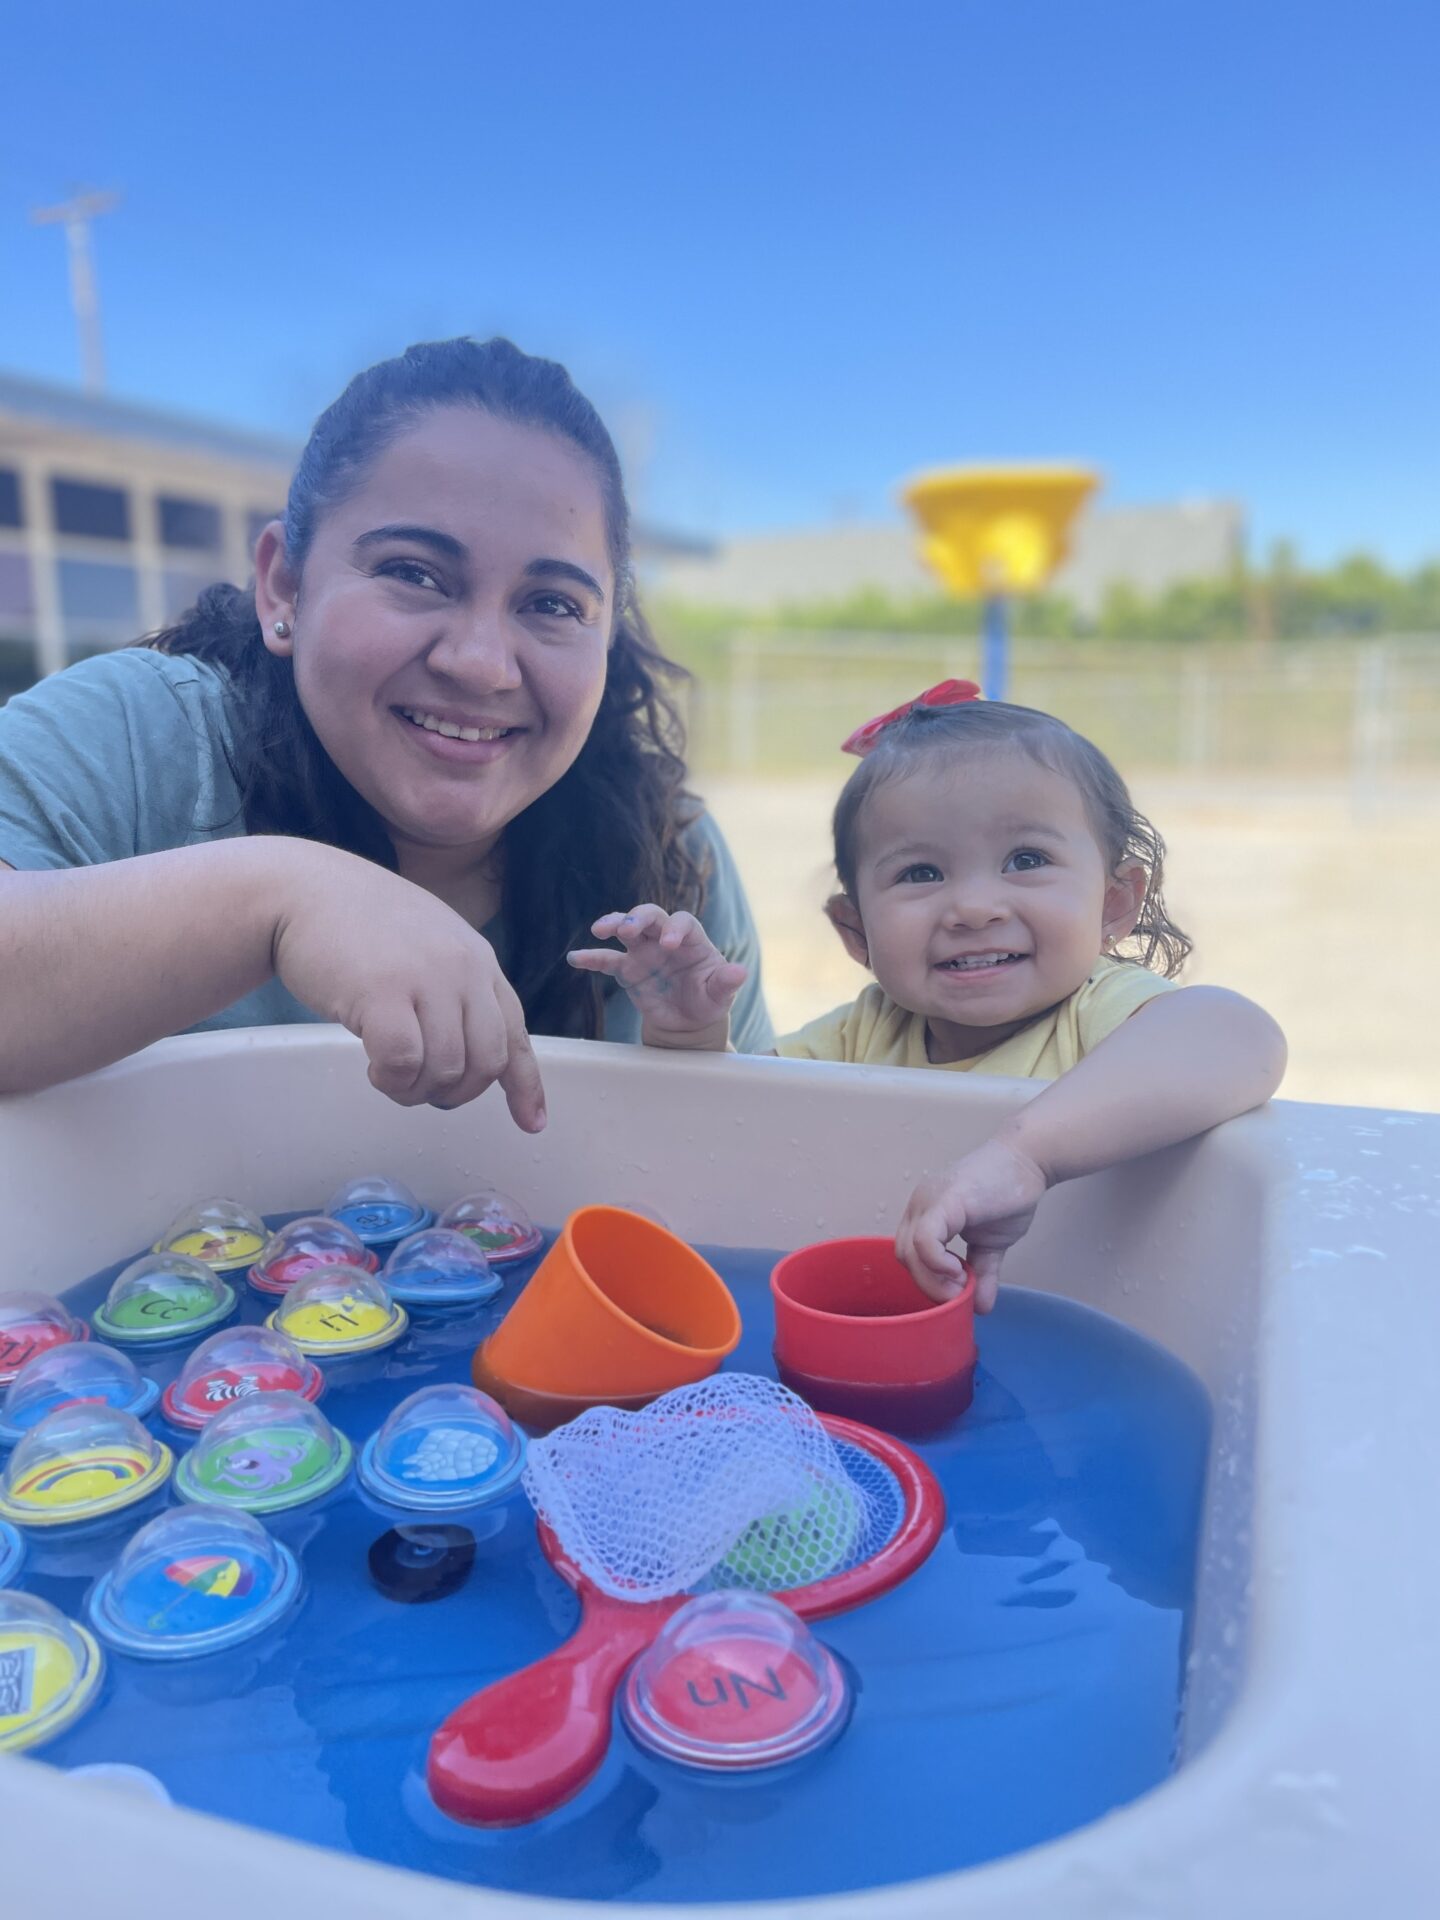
<point x="1366" y="712"/>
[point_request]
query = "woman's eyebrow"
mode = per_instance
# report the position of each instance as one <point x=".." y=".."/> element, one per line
<point x="442" y="543"/>
<point x="564" y="570"/>
<point x="453" y="549"/>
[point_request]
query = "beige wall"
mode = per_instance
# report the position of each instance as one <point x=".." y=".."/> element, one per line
<point x="1150" y="547"/>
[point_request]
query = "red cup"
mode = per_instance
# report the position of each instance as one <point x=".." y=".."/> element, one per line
<point x="854" y="1335"/>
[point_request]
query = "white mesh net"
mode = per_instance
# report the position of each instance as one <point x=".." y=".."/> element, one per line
<point x="732" y="1482"/>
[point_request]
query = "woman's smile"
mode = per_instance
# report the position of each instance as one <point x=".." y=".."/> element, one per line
<point x="443" y="735"/>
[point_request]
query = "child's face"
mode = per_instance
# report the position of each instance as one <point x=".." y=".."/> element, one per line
<point x="983" y="895"/>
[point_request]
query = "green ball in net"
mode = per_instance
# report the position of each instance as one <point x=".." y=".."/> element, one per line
<point x="796" y="1544"/>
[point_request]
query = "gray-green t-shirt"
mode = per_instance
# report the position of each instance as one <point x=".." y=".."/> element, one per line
<point x="132" y="752"/>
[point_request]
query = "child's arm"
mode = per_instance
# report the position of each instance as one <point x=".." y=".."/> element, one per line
<point x="1179" y="1065"/>
<point x="679" y="980"/>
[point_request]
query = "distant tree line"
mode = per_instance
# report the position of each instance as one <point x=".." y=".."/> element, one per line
<point x="1282" y="600"/>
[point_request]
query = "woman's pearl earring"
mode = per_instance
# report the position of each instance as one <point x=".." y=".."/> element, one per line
<point x="281" y="629"/>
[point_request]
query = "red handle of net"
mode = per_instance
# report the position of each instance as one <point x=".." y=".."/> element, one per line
<point x="528" y="1743"/>
<point x="524" y="1746"/>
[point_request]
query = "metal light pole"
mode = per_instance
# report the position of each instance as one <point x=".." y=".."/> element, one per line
<point x="995" y="648"/>
<point x="75" y="216"/>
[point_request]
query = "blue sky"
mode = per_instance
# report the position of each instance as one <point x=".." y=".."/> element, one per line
<point x="794" y="251"/>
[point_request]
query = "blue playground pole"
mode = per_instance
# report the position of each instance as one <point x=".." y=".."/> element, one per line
<point x="995" y="648"/>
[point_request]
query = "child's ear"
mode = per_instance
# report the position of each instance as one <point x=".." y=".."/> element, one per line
<point x="1124" y="898"/>
<point x="844" y="916"/>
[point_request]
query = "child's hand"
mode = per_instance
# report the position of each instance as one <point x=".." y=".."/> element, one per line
<point x="989" y="1198"/>
<point x="681" y="983"/>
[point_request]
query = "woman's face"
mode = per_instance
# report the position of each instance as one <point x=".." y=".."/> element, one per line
<point x="450" y="628"/>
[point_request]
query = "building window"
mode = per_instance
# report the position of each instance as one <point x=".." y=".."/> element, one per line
<point x="99" y="602"/>
<point x="95" y="513"/>
<point x="10" y="515"/>
<point x="255" y="525"/>
<point x="17" y="596"/>
<point x="189" y="523"/>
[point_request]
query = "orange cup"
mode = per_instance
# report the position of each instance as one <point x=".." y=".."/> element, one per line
<point x="543" y="1412"/>
<point x="618" y="1306"/>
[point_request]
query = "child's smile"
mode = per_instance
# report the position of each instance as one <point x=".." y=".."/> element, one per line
<point x="983" y="894"/>
<point x="972" y="964"/>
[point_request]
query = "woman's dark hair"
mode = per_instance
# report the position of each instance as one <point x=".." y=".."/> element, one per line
<point x="1121" y="829"/>
<point x="612" y="828"/>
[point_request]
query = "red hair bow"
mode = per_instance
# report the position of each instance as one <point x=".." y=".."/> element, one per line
<point x="949" y="693"/>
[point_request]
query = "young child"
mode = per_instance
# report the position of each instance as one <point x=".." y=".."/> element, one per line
<point x="1001" y="886"/>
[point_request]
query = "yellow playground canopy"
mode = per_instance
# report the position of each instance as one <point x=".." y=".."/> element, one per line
<point x="997" y="530"/>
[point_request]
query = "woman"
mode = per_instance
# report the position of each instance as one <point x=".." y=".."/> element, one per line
<point x="392" y="786"/>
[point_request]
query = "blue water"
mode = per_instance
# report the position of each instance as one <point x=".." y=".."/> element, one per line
<point x="1024" y="1681"/>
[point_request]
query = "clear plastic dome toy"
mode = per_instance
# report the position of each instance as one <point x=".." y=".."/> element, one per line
<point x="305" y="1246"/>
<point x="735" y="1681"/>
<point x="223" y="1234"/>
<point x="80" y="1463"/>
<point x="440" y="1268"/>
<point x="339" y="1310"/>
<point x="498" y="1225"/>
<point x="32" y="1323"/>
<point x="445" y="1448"/>
<point x="162" y="1298"/>
<point x="234" y="1365"/>
<point x="67" y="1375"/>
<point x="192" y="1581"/>
<point x="50" y="1671"/>
<point x="378" y="1211"/>
<point x="266" y="1453"/>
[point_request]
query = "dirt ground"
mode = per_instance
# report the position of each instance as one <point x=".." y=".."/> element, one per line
<point x="1321" y="904"/>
